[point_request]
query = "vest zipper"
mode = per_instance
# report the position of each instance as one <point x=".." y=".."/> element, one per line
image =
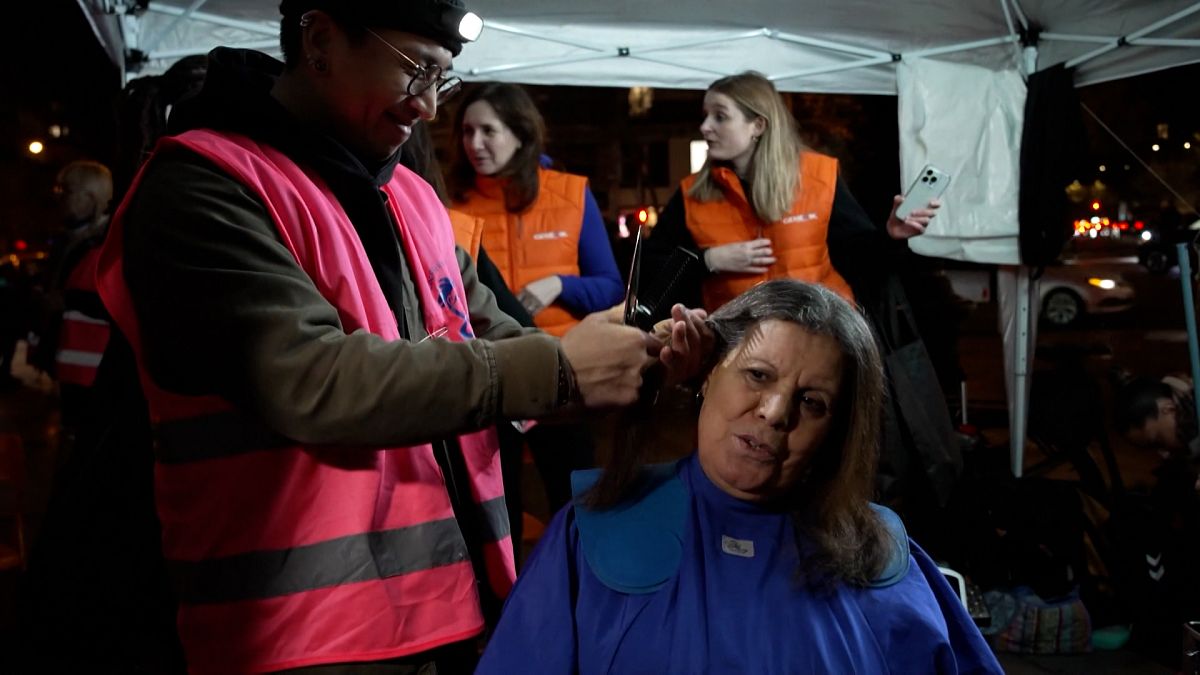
<point x="516" y="252"/>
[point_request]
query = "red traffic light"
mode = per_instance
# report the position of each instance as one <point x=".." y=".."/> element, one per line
<point x="20" y="245"/>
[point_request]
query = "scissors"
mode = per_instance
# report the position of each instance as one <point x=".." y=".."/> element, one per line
<point x="633" y="309"/>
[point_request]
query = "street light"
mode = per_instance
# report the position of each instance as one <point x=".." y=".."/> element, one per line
<point x="1154" y="147"/>
<point x="36" y="147"/>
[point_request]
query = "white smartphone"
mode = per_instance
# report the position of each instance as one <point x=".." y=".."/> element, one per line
<point x="929" y="185"/>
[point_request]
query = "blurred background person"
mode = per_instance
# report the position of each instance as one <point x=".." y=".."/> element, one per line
<point x="73" y="324"/>
<point x="1159" y="523"/>
<point x="543" y="231"/>
<point x="119" y="609"/>
<point x="543" y="228"/>
<point x="763" y="206"/>
<point x="418" y="154"/>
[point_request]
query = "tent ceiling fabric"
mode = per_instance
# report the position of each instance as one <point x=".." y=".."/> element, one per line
<point x="805" y="45"/>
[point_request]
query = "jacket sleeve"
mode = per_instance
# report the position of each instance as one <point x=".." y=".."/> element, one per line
<point x="861" y="251"/>
<point x="672" y="232"/>
<point x="224" y="309"/>
<point x="598" y="286"/>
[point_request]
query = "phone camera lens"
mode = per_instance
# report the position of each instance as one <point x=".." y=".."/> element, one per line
<point x="933" y="180"/>
<point x="924" y="179"/>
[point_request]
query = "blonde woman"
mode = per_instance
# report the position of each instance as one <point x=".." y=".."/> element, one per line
<point x="763" y="206"/>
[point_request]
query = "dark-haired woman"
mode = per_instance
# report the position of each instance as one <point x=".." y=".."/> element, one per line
<point x="544" y="233"/>
<point x="760" y="552"/>
<point x="543" y="229"/>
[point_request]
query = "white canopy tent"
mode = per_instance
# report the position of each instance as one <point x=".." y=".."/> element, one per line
<point x="848" y="46"/>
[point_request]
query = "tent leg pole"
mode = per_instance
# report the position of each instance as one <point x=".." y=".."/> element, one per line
<point x="1189" y="312"/>
<point x="1020" y="410"/>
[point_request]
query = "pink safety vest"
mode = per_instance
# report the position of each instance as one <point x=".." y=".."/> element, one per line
<point x="82" y="338"/>
<point x="288" y="555"/>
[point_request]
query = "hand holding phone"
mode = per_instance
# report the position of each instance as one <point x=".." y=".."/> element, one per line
<point x="928" y="186"/>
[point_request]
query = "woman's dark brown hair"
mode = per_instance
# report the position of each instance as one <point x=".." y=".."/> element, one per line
<point x="844" y="541"/>
<point x="517" y="111"/>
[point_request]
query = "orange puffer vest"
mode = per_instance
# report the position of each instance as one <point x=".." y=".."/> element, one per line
<point x="287" y="555"/>
<point x="468" y="232"/>
<point x="540" y="241"/>
<point x="798" y="239"/>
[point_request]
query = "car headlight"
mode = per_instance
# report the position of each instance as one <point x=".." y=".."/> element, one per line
<point x="1106" y="284"/>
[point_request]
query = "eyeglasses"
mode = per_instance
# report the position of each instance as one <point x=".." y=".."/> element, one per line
<point x="424" y="77"/>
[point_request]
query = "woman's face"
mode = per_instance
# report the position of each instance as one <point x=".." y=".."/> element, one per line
<point x="768" y="407"/>
<point x="729" y="132"/>
<point x="488" y="142"/>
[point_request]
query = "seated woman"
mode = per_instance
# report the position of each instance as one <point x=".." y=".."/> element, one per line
<point x="760" y="552"/>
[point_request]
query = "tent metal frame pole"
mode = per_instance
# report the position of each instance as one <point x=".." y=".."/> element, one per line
<point x="166" y="30"/>
<point x="271" y="28"/>
<point x="1184" y="256"/>
<point x="1135" y="42"/>
<point x="864" y="63"/>
<point x="131" y="33"/>
<point x="1119" y="42"/>
<point x="724" y="39"/>
<point x="1013" y="34"/>
<point x="1026" y="286"/>
<point x="1022" y="17"/>
<point x="508" y="67"/>
<point x="961" y="47"/>
<point x="827" y="44"/>
<point x="91" y="19"/>
<point x="883" y="58"/>
<point x="666" y="62"/>
<point x="197" y="51"/>
<point x="1166" y="42"/>
<point x="1008" y="19"/>
<point x="1019" y="415"/>
<point x="1149" y="169"/>
<point x="513" y="30"/>
<point x="615" y="53"/>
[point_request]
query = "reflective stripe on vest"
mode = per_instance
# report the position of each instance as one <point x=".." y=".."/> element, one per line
<point x="540" y="241"/>
<point x="798" y="239"/>
<point x="289" y="555"/>
<point x="82" y="338"/>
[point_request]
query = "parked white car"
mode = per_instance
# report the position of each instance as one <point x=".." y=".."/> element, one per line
<point x="1068" y="291"/>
